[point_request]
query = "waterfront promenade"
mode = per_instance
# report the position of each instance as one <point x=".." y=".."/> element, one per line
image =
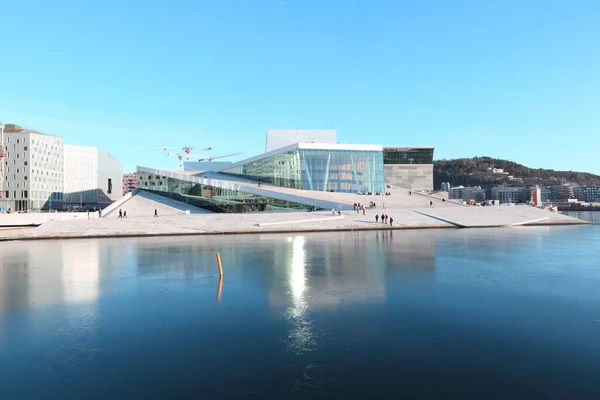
<point x="203" y="224"/>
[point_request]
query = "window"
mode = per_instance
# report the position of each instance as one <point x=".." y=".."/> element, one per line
<point x="25" y="162"/>
<point x="25" y="177"/>
<point x="25" y="194"/>
<point x="25" y="148"/>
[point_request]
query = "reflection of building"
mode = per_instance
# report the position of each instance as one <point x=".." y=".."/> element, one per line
<point x="33" y="170"/>
<point x="409" y="167"/>
<point x="129" y="183"/>
<point x="91" y="177"/>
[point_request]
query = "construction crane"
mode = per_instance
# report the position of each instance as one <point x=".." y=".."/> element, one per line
<point x="186" y="151"/>
<point x="209" y="159"/>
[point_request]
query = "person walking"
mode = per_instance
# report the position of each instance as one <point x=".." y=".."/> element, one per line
<point x="363" y="211"/>
<point x="120" y="213"/>
<point x="376" y="217"/>
<point x="384" y="206"/>
<point x="155" y="213"/>
<point x="124" y="214"/>
<point x="88" y="214"/>
<point x="333" y="211"/>
<point x="391" y="221"/>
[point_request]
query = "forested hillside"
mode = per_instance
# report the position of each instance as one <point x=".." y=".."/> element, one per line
<point x="474" y="172"/>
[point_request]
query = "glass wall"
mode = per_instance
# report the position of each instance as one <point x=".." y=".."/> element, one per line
<point x="212" y="198"/>
<point x="407" y="155"/>
<point x="342" y="170"/>
<point x="324" y="170"/>
<point x="280" y="170"/>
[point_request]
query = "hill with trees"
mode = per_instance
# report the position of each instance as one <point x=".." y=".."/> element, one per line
<point x="478" y="171"/>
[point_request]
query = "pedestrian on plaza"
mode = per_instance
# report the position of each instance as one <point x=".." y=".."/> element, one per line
<point x="430" y="203"/>
<point x="376" y="217"/>
<point x="155" y="213"/>
<point x="88" y="214"/>
<point x="386" y="218"/>
<point x="120" y="213"/>
<point x="384" y="206"/>
<point x="333" y="211"/>
<point x="363" y="211"/>
<point x="391" y="221"/>
<point x="339" y="213"/>
<point x="124" y="214"/>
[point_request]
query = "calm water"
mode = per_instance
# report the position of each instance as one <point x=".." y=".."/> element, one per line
<point x="492" y="313"/>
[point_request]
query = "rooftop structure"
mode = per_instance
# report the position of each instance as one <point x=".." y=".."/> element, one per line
<point x="277" y="138"/>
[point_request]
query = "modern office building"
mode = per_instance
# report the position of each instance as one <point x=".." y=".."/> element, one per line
<point x="409" y="167"/>
<point x="33" y="170"/>
<point x="129" y="183"/>
<point x="92" y="178"/>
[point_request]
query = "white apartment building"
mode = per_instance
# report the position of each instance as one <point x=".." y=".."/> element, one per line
<point x="92" y="178"/>
<point x="33" y="170"/>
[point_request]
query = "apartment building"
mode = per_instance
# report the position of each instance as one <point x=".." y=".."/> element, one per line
<point x="129" y="183"/>
<point x="33" y="170"/>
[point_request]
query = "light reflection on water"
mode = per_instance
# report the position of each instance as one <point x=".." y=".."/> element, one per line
<point x="494" y="311"/>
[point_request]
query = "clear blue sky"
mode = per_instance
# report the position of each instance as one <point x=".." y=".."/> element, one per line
<point x="514" y="79"/>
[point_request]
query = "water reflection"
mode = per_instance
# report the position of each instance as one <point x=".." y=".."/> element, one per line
<point x="307" y="315"/>
<point x="301" y="334"/>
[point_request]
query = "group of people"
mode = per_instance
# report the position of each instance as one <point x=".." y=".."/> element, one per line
<point x="122" y="214"/>
<point x="358" y="208"/>
<point x="384" y="219"/>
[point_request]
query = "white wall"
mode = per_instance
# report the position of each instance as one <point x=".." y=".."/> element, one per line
<point x="277" y="138"/>
<point x="109" y="168"/>
<point x="33" y="170"/>
<point x="87" y="174"/>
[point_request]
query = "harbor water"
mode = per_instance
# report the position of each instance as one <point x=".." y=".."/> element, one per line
<point x="478" y="313"/>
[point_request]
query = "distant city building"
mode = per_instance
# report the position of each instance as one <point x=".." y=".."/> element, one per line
<point x="491" y="170"/>
<point x="129" y="183"/>
<point x="561" y="193"/>
<point x="467" y="193"/>
<point x="445" y="187"/>
<point x="505" y="195"/>
<point x="588" y="194"/>
<point x="33" y="170"/>
<point x="92" y="178"/>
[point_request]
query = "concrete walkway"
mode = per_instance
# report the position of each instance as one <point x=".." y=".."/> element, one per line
<point x="404" y="218"/>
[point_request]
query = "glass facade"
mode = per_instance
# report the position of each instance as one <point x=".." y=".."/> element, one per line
<point x="349" y="171"/>
<point x="211" y="198"/>
<point x="407" y="155"/>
